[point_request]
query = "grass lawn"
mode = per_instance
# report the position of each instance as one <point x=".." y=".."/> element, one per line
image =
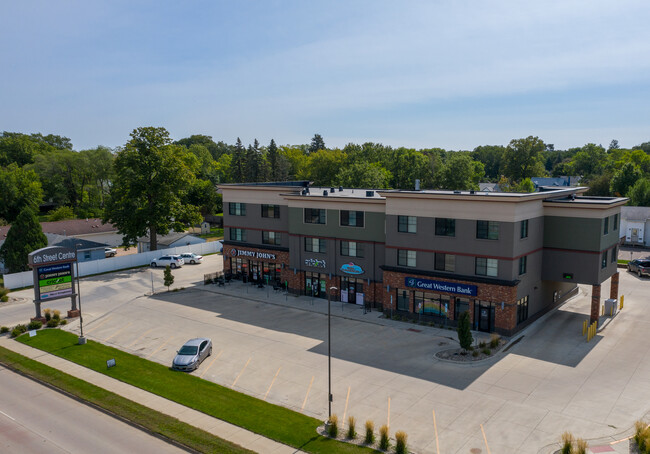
<point x="151" y="420"/>
<point x="272" y="421"/>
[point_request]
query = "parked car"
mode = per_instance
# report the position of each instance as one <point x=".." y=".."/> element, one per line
<point x="110" y="252"/>
<point x="173" y="261"/>
<point x="639" y="266"/>
<point x="220" y="247"/>
<point x="190" y="257"/>
<point x="192" y="354"/>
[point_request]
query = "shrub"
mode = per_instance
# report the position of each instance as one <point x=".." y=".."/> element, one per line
<point x="333" y="426"/>
<point x="35" y="324"/>
<point x="400" y="442"/>
<point x="486" y="351"/>
<point x="53" y="323"/>
<point x="384" y="442"/>
<point x="494" y="341"/>
<point x="464" y="331"/>
<point x="370" y="433"/>
<point x="63" y="322"/>
<point x="48" y="314"/>
<point x="581" y="446"/>
<point x="475" y="353"/>
<point x="56" y="315"/>
<point x="4" y="329"/>
<point x="168" y="277"/>
<point x="642" y="436"/>
<point x="567" y="443"/>
<point x="61" y="214"/>
<point x="3" y="294"/>
<point x="352" y="431"/>
<point x="481" y="344"/>
<point x="18" y="330"/>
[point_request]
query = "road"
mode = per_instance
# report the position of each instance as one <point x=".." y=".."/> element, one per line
<point x="36" y="419"/>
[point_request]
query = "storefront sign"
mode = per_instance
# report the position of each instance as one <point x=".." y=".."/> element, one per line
<point x="316" y="263"/>
<point x="258" y="255"/>
<point x="441" y="286"/>
<point x="52" y="254"/>
<point x="351" y="268"/>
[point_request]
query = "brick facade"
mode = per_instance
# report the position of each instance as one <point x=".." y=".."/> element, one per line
<point x="595" y="304"/>
<point x="613" y="289"/>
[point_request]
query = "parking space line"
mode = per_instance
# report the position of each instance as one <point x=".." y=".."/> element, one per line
<point x="93" y="328"/>
<point x="117" y="332"/>
<point x="307" y="395"/>
<point x="435" y="429"/>
<point x="159" y="348"/>
<point x="140" y="337"/>
<point x="272" y="381"/>
<point x="211" y="363"/>
<point x="346" y="405"/>
<point x="242" y="371"/>
<point x="388" y="419"/>
<point x="485" y="439"/>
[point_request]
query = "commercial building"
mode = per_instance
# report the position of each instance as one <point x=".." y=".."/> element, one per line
<point x="507" y="258"/>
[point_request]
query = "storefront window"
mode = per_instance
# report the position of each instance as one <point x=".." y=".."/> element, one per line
<point x="315" y="285"/>
<point x="431" y="303"/>
<point x="462" y="305"/>
<point x="350" y="288"/>
<point x="403" y="300"/>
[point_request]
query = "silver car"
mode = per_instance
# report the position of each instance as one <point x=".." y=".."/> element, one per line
<point x="190" y="257"/>
<point x="192" y="354"/>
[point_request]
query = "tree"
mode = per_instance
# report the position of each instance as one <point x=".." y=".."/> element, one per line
<point x="407" y="165"/>
<point x="589" y="161"/>
<point x="168" y="277"/>
<point x="24" y="236"/>
<point x="624" y="179"/>
<point x="645" y="146"/>
<point x="19" y="188"/>
<point x="526" y="185"/>
<point x="613" y="145"/>
<point x="460" y="172"/>
<point x="324" y="166"/>
<point x="364" y="175"/>
<point x="639" y="194"/>
<point x="273" y="158"/>
<point x="464" y="331"/>
<point x="238" y="171"/>
<point x="491" y="157"/>
<point x="152" y="179"/>
<point x="522" y="158"/>
<point x="317" y="143"/>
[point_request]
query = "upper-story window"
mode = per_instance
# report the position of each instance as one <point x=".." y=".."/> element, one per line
<point x="271" y="238"/>
<point x="606" y="226"/>
<point x="270" y="211"/>
<point x="523" y="264"/>
<point x="352" y="218"/>
<point x="445" y="262"/>
<point x="314" y="216"/>
<point x="445" y="227"/>
<point x="406" y="258"/>
<point x="524" y="228"/>
<point x="615" y="223"/>
<point x="603" y="260"/>
<point x="407" y="224"/>
<point x="351" y="249"/>
<point x="487" y="230"/>
<point x="238" y="234"/>
<point x="237" y="209"/>
<point x="614" y="257"/>
<point x="487" y="267"/>
<point x="315" y="245"/>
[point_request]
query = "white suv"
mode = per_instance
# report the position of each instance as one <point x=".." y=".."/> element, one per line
<point x="173" y="261"/>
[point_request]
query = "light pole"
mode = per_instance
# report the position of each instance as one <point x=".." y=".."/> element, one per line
<point x="82" y="339"/>
<point x="329" y="352"/>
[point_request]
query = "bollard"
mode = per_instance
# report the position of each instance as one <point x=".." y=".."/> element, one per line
<point x="611" y="311"/>
<point x="622" y="298"/>
<point x="602" y="310"/>
<point x="584" y="327"/>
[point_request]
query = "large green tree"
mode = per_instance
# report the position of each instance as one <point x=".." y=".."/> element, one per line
<point x="24" y="236"/>
<point x="639" y="194"/>
<point x="19" y="188"/>
<point x="324" y="165"/>
<point x="317" y="143"/>
<point x="491" y="156"/>
<point x="238" y="171"/>
<point x="522" y="158"/>
<point x="624" y="179"/>
<point x="364" y="175"/>
<point x="152" y="179"/>
<point x="460" y="172"/>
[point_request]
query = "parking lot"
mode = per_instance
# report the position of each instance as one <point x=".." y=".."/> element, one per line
<point x="274" y="347"/>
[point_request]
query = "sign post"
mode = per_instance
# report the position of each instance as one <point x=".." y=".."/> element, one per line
<point x="53" y="276"/>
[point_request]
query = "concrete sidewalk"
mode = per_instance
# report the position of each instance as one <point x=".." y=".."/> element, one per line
<point x="217" y="427"/>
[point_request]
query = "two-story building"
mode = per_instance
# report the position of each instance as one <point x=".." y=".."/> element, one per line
<point x="507" y="258"/>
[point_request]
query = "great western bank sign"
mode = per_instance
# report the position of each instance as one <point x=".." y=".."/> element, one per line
<point x="441" y="286"/>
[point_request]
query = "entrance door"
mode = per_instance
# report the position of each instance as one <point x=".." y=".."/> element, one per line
<point x="635" y="235"/>
<point x="484" y="316"/>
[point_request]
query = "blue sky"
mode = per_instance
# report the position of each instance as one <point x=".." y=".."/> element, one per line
<point x="450" y="74"/>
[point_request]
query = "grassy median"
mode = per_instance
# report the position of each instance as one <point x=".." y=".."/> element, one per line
<point x="272" y="421"/>
<point x="153" y="421"/>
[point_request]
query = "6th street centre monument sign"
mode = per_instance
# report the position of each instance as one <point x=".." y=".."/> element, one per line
<point x="53" y="276"/>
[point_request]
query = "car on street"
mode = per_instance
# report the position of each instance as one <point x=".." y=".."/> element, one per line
<point x="173" y="261"/>
<point x="192" y="354"/>
<point x="190" y="257"/>
<point x="110" y="252"/>
<point x="639" y="266"/>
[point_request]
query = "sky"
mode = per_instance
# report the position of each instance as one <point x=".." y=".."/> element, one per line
<point x="420" y="74"/>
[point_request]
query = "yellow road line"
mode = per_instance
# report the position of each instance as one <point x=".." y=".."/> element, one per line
<point x="307" y="395"/>
<point x="117" y="332"/>
<point x="159" y="348"/>
<point x="272" y="381"/>
<point x="242" y="371"/>
<point x="388" y="419"/>
<point x="485" y="439"/>
<point x="139" y="338"/>
<point x="92" y="328"/>
<point x="435" y="428"/>
<point x="211" y="363"/>
<point x="346" y="405"/>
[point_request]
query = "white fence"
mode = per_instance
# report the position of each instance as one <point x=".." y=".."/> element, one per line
<point x="25" y="279"/>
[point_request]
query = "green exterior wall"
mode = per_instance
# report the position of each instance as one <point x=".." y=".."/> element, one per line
<point x="373" y="229"/>
<point x="583" y="234"/>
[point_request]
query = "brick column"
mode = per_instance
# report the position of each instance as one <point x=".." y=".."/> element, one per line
<point x="595" y="303"/>
<point x="613" y="286"/>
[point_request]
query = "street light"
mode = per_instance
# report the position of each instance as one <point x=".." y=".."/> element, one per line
<point x="82" y="339"/>
<point x="329" y="351"/>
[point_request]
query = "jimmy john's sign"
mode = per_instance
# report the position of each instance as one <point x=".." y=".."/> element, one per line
<point x="253" y="254"/>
